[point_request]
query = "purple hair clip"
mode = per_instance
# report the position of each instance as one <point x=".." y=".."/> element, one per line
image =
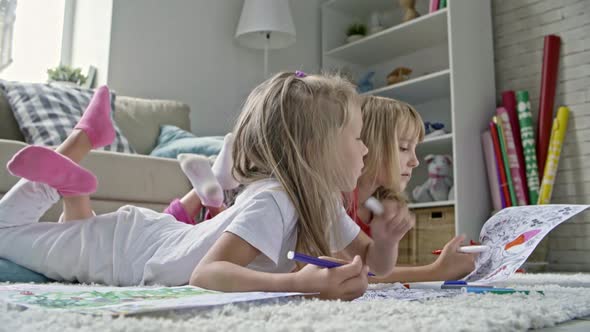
<point x="300" y="74"/>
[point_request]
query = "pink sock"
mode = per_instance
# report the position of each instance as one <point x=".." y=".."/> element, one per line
<point x="224" y="164"/>
<point x="41" y="164"/>
<point x="198" y="171"/>
<point x="96" y="121"/>
<point x="177" y="211"/>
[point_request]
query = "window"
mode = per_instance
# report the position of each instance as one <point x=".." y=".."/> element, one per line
<point x="37" y="40"/>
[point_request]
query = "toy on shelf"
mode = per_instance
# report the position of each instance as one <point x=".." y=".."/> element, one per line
<point x="365" y="84"/>
<point x="399" y="74"/>
<point x="409" y="6"/>
<point x="440" y="180"/>
<point x="355" y="32"/>
<point x="434" y="129"/>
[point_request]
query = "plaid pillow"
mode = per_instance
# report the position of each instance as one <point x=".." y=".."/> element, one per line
<point x="46" y="114"/>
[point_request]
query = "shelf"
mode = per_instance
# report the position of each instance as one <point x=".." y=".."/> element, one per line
<point x="430" y="204"/>
<point x="361" y="8"/>
<point x="419" y="33"/>
<point x="436" y="145"/>
<point x="418" y="90"/>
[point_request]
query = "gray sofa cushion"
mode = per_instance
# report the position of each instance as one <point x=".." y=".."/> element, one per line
<point x="46" y="114"/>
<point x="140" y="119"/>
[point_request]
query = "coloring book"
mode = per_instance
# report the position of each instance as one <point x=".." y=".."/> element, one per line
<point x="512" y="234"/>
<point x="124" y="300"/>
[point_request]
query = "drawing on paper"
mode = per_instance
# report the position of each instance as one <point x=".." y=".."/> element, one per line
<point x="512" y="234"/>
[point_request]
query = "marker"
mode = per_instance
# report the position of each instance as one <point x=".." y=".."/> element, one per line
<point x="314" y="261"/>
<point x="374" y="205"/>
<point x="480" y="290"/>
<point x="473" y="249"/>
<point x="466" y="250"/>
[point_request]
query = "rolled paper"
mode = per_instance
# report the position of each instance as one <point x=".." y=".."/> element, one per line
<point x="493" y="174"/>
<point x="502" y="139"/>
<point x="518" y="182"/>
<point x="553" y="153"/>
<point x="527" y="135"/>
<point x="509" y="103"/>
<point x="504" y="193"/>
<point x="547" y="97"/>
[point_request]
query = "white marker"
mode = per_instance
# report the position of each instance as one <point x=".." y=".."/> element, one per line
<point x="473" y="249"/>
<point x="374" y="205"/>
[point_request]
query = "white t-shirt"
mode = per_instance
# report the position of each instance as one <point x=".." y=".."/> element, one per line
<point x="262" y="215"/>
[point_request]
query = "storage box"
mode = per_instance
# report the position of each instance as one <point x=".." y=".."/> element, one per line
<point x="434" y="228"/>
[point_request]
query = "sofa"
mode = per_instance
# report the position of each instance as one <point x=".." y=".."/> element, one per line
<point x="137" y="179"/>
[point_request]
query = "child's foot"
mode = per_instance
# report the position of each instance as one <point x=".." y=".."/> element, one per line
<point x="41" y="164"/>
<point x="199" y="173"/>
<point x="96" y="121"/>
<point x="224" y="163"/>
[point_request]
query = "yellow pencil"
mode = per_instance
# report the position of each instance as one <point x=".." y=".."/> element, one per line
<point x="555" y="143"/>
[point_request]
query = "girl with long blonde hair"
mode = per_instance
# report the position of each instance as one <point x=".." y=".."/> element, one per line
<point x="392" y="129"/>
<point x="297" y="146"/>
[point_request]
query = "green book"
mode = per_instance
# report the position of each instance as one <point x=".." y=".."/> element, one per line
<point x="527" y="136"/>
<point x="442" y="4"/>
<point x="514" y="201"/>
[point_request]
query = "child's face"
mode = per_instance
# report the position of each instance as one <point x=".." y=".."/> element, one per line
<point x="407" y="160"/>
<point x="353" y="149"/>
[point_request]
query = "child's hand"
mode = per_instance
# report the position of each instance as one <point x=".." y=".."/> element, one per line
<point x="346" y="282"/>
<point x="452" y="264"/>
<point x="393" y="224"/>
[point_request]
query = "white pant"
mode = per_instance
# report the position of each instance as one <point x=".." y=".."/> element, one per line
<point x="111" y="248"/>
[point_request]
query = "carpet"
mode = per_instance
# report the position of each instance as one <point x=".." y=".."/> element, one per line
<point x="567" y="296"/>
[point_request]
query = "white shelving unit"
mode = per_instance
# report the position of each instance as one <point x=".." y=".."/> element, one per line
<point x="451" y="54"/>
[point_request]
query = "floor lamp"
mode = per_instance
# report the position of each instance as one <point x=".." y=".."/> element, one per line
<point x="267" y="25"/>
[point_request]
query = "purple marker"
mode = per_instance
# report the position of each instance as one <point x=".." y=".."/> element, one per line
<point x="314" y="261"/>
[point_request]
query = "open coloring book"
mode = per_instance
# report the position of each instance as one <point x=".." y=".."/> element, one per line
<point x="512" y="234"/>
<point x="123" y="300"/>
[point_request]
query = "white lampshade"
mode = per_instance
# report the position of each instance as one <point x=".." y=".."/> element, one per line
<point x="266" y="17"/>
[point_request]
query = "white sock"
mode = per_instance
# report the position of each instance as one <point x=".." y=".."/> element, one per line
<point x="198" y="171"/>
<point x="224" y="163"/>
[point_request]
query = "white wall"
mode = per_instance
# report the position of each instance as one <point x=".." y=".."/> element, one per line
<point x="185" y="50"/>
<point x="519" y="28"/>
<point x="92" y="36"/>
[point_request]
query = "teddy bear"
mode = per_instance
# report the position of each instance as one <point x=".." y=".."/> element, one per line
<point x="440" y="180"/>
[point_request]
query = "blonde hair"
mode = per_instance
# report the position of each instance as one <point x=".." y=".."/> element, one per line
<point x="287" y="130"/>
<point x="385" y="120"/>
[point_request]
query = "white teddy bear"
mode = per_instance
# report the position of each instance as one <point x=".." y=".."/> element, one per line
<point x="440" y="180"/>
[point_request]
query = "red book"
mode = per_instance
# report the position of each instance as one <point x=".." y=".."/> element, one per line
<point x="509" y="102"/>
<point x="503" y="182"/>
<point x="547" y="97"/>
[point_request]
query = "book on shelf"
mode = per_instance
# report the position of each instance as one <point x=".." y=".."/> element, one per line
<point x="518" y="182"/>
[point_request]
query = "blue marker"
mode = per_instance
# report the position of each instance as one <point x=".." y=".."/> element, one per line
<point x="314" y="261"/>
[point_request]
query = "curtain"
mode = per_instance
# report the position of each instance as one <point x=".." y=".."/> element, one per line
<point x="7" y="17"/>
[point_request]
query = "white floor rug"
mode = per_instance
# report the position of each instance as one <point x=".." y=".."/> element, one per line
<point x="566" y="297"/>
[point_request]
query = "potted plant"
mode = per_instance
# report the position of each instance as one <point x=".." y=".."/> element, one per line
<point x="355" y="32"/>
<point x="66" y="75"/>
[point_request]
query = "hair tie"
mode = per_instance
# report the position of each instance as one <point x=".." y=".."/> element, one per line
<point x="300" y="74"/>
